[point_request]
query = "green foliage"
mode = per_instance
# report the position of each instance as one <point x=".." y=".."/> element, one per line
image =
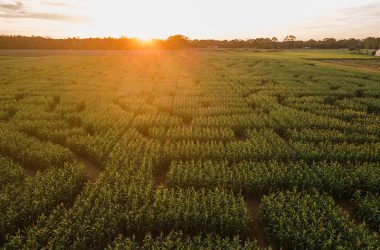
<point x="31" y="152"/>
<point x="178" y="240"/>
<point x="183" y="141"/>
<point x="123" y="201"/>
<point x="312" y="221"/>
<point x="199" y="212"/>
<point x="10" y="172"/>
<point x="21" y="204"/>
<point x="257" y="178"/>
<point x="367" y="208"/>
<point x="115" y="204"/>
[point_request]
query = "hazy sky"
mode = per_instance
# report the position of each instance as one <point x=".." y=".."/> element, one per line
<point x="220" y="19"/>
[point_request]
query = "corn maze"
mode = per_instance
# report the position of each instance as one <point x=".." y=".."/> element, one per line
<point x="190" y="149"/>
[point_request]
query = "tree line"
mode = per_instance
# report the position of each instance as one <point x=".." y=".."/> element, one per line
<point x="180" y="41"/>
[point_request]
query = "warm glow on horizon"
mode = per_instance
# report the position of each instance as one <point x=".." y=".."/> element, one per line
<point x="149" y="43"/>
<point x="147" y="39"/>
<point x="152" y="19"/>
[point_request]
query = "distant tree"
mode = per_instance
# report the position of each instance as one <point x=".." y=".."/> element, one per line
<point x="353" y="43"/>
<point x="177" y="42"/>
<point x="289" y="38"/>
<point x="370" y="43"/>
<point x="311" y="43"/>
<point x="329" y="43"/>
<point x="263" y="43"/>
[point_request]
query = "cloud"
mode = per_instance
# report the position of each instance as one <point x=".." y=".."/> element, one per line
<point x="37" y="15"/>
<point x="12" y="6"/>
<point x="18" y="10"/>
<point x="357" y="18"/>
<point x="370" y="9"/>
<point x="56" y="4"/>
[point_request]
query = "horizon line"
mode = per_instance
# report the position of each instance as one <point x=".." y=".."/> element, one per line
<point x="191" y="39"/>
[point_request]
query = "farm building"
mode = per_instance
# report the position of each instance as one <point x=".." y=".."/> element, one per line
<point x="377" y="52"/>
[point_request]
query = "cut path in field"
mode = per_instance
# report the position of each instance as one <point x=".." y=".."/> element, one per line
<point x="348" y="209"/>
<point x="346" y="206"/>
<point x="160" y="174"/>
<point x="92" y="172"/>
<point x="30" y="172"/>
<point x="256" y="226"/>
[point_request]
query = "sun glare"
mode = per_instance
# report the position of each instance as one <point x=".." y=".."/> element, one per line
<point x="147" y="42"/>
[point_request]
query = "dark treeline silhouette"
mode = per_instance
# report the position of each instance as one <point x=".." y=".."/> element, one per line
<point x="180" y="41"/>
<point x="109" y="43"/>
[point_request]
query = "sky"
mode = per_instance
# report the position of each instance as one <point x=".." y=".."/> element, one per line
<point x="197" y="19"/>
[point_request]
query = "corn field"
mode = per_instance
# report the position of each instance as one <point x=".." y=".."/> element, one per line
<point x="189" y="149"/>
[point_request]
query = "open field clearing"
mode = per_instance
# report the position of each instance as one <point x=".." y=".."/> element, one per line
<point x="371" y="64"/>
<point x="189" y="149"/>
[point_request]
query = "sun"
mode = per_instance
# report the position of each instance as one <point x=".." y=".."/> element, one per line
<point x="148" y="43"/>
<point x="146" y="38"/>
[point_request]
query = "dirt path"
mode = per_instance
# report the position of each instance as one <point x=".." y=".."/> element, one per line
<point x="256" y="226"/>
<point x="160" y="174"/>
<point x="347" y="208"/>
<point x="92" y="172"/>
<point x="30" y="172"/>
<point x="160" y="180"/>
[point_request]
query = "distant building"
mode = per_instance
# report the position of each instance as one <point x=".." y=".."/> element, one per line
<point x="377" y="52"/>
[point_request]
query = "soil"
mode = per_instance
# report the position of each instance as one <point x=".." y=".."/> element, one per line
<point x="92" y="172"/>
<point x="160" y="175"/>
<point x="256" y="226"/>
<point x="30" y="172"/>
